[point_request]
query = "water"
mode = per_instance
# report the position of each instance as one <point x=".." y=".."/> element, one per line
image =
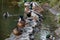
<point x="6" y="25"/>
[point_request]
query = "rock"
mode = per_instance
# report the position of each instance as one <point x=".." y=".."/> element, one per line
<point x="57" y="31"/>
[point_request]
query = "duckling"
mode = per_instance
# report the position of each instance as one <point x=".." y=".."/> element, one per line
<point x="17" y="32"/>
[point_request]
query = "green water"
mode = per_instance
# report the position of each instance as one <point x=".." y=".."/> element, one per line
<point x="6" y="25"/>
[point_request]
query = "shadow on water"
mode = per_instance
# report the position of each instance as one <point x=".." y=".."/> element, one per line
<point x="6" y="25"/>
